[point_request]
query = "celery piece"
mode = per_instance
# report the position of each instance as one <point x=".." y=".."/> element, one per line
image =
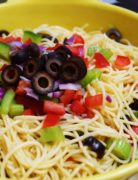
<point x="16" y="109"/>
<point x="91" y="75"/>
<point x="106" y="52"/>
<point x="136" y="114"/>
<point x="51" y="134"/>
<point x="91" y="50"/>
<point x="122" y="148"/>
<point x="6" y="101"/>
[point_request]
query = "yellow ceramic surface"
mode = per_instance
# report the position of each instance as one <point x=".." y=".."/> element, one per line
<point x="70" y="13"/>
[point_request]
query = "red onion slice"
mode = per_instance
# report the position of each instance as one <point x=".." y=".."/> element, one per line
<point x="70" y="86"/>
<point x="2" y="92"/>
<point x="55" y="94"/>
<point x="31" y="93"/>
<point x="108" y="98"/>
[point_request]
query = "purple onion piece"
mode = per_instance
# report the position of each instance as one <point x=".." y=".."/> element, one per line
<point x="24" y="78"/>
<point x="55" y="94"/>
<point x="70" y="86"/>
<point x="81" y="51"/>
<point x="71" y="40"/>
<point x="20" y="67"/>
<point x="2" y="92"/>
<point x="108" y="98"/>
<point x="56" y="85"/>
<point x="31" y="93"/>
<point x="15" y="45"/>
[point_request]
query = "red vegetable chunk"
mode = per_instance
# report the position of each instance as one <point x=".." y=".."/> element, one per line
<point x="94" y="101"/>
<point x="67" y="97"/>
<point x="77" y="107"/>
<point x="135" y="129"/>
<point x="100" y="60"/>
<point x="54" y="108"/>
<point x="51" y="120"/>
<point x="28" y="112"/>
<point x="78" y="39"/>
<point x="122" y="61"/>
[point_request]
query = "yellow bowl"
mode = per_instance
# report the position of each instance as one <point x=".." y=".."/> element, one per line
<point x="70" y="13"/>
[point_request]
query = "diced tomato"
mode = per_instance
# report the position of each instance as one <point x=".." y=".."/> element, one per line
<point x="54" y="47"/>
<point x="21" y="85"/>
<point x="70" y="159"/>
<point x="54" y="108"/>
<point x="94" y="101"/>
<point x="78" y="39"/>
<point x="28" y="112"/>
<point x="90" y="114"/>
<point x="135" y="129"/>
<point x="86" y="61"/>
<point x="67" y="97"/>
<point x="51" y="120"/>
<point x="9" y="39"/>
<point x="30" y="103"/>
<point x="77" y="107"/>
<point x="77" y="50"/>
<point x="28" y="41"/>
<point x="100" y="60"/>
<point x="78" y="95"/>
<point x="3" y="67"/>
<point x="122" y="61"/>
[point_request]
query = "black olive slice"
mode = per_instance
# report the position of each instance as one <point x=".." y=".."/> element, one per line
<point x="19" y="57"/>
<point x="114" y="34"/>
<point x="33" y="50"/>
<point x="5" y="32"/>
<point x="11" y="74"/>
<point x="73" y="70"/>
<point x="53" y="66"/>
<point x="134" y="105"/>
<point x="42" y="83"/>
<point x="30" y="67"/>
<point x="95" y="145"/>
<point x="47" y="36"/>
<point x="83" y="69"/>
<point x="64" y="52"/>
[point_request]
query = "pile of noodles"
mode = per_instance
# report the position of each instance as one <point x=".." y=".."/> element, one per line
<point x="22" y="156"/>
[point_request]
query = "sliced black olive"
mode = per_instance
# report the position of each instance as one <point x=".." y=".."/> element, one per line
<point x="64" y="52"/>
<point x="19" y="57"/>
<point x="114" y="34"/>
<point x="55" y="55"/>
<point x="11" y="74"/>
<point x="33" y="50"/>
<point x="30" y="67"/>
<point x="47" y="36"/>
<point x="42" y="83"/>
<point x="134" y="105"/>
<point x="73" y="70"/>
<point x="5" y="32"/>
<point x="95" y="145"/>
<point x="53" y="66"/>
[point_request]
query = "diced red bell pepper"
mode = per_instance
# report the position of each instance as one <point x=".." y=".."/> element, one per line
<point x="54" y="108"/>
<point x="28" y="112"/>
<point x="77" y="107"/>
<point x="28" y="41"/>
<point x="90" y="114"/>
<point x="77" y="50"/>
<point x="30" y="103"/>
<point x="67" y="97"/>
<point x="86" y="61"/>
<point x="51" y="120"/>
<point x="100" y="60"/>
<point x="78" y="95"/>
<point x="135" y="129"/>
<point x="54" y="47"/>
<point x="9" y="39"/>
<point x="78" y="39"/>
<point x="122" y="61"/>
<point x="94" y="101"/>
<point x="21" y="85"/>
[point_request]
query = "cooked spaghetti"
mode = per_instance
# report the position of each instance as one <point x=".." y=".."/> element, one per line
<point x="23" y="156"/>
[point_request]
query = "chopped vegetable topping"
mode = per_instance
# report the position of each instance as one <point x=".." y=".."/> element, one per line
<point x="77" y="107"/>
<point x="122" y="148"/>
<point x="51" y="120"/>
<point x="100" y="60"/>
<point x="16" y="109"/>
<point x="122" y="61"/>
<point x="94" y="101"/>
<point x="51" y="134"/>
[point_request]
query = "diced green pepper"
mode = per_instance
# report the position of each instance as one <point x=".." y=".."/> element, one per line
<point x="91" y="75"/>
<point x="136" y="114"/>
<point x="4" y="51"/>
<point x="6" y="101"/>
<point x="16" y="109"/>
<point x="122" y="147"/>
<point x="52" y="134"/>
<point x="36" y="38"/>
<point x="106" y="52"/>
<point x="91" y="50"/>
